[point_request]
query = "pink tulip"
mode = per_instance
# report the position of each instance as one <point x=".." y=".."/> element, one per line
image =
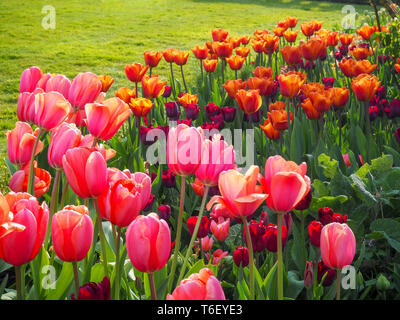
<point x="285" y="182"/>
<point x="72" y="233"/>
<point x="26" y="105"/>
<point x="148" y="243"/>
<point x="216" y="156"/>
<point x="240" y="194"/>
<point x="64" y="137"/>
<point x="199" y="286"/>
<point x="84" y="89"/>
<point x="23" y="225"/>
<point x="218" y="255"/>
<point x="29" y="79"/>
<point x="127" y="195"/>
<point x="51" y="109"/>
<point x="43" y="81"/>
<point x="59" y="83"/>
<point x="184" y="145"/>
<point x="206" y="243"/>
<point x="105" y="119"/>
<point x="21" y="141"/>
<point x="19" y="181"/>
<point x="220" y="229"/>
<point x="86" y="171"/>
<point x="337" y="244"/>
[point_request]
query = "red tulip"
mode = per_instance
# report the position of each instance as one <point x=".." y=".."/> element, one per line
<point x="94" y="291"/>
<point x="85" y="88"/>
<point x="19" y="181"/>
<point x="338" y="245"/>
<point x="204" y="228"/>
<point x="127" y="195"/>
<point x="199" y="286"/>
<point x="148" y="243"/>
<point x="105" y="119"/>
<point x="271" y="237"/>
<point x="241" y="256"/>
<point x="72" y="233"/>
<point x="23" y="224"/>
<point x="314" y="231"/>
<point x="86" y="171"/>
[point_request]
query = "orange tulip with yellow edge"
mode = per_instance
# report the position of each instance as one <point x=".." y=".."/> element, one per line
<point x="321" y="100"/>
<point x="310" y="87"/>
<point x="340" y="96"/>
<point x="397" y="67"/>
<point x="311" y="112"/>
<point x="269" y="130"/>
<point x="346" y="39"/>
<point x="313" y="49"/>
<point x="292" y="21"/>
<point x="125" y="94"/>
<point x="249" y="101"/>
<point x="258" y="34"/>
<point x="291" y="55"/>
<point x="278" y="31"/>
<point x="245" y="40"/>
<point x="219" y="34"/>
<point x="263" y="72"/>
<point x="233" y="86"/>
<point x="290" y="83"/>
<point x="290" y="36"/>
<point x="332" y="39"/>
<point x="135" y="71"/>
<point x="308" y="28"/>
<point x="278" y="105"/>
<point x="140" y="106"/>
<point x="169" y="54"/>
<point x="235" y="62"/>
<point x="361" y="53"/>
<point x="152" y="58"/>
<point x="236" y="41"/>
<point x="153" y="87"/>
<point x="242" y="51"/>
<point x="257" y="45"/>
<point x="187" y="99"/>
<point x="106" y="82"/>
<point x="270" y="43"/>
<point x="264" y="85"/>
<point x="279" y="119"/>
<point x="181" y="57"/>
<point x="222" y="49"/>
<point x="366" y="31"/>
<point x="363" y="66"/>
<point x="210" y="65"/>
<point x="200" y="52"/>
<point x="347" y="67"/>
<point x="365" y="86"/>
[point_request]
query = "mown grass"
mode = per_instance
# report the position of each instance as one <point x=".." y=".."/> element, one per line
<point x="102" y="36"/>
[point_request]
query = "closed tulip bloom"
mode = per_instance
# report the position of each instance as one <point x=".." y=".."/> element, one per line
<point x="285" y="182"/>
<point x="181" y="57"/>
<point x="219" y="34"/>
<point x="245" y="40"/>
<point x="23" y="224"/>
<point x="19" y="181"/>
<point x="106" y="82"/>
<point x="308" y="275"/>
<point x="72" y="233"/>
<point x="59" y="83"/>
<point x="290" y="36"/>
<point x="311" y="112"/>
<point x="184" y="145"/>
<point x="222" y="49"/>
<point x="26" y="105"/>
<point x="240" y="195"/>
<point x="313" y="48"/>
<point x="242" y="51"/>
<point x="105" y="119"/>
<point x="332" y="39"/>
<point x="85" y="88"/>
<point x="271" y="237"/>
<point x="249" y="101"/>
<point x="340" y="96"/>
<point x="269" y="131"/>
<point x="188" y="99"/>
<point x="29" y="79"/>
<point x="169" y="54"/>
<point x="308" y="28"/>
<point x="271" y="42"/>
<point x="314" y="231"/>
<point x="127" y="195"/>
<point x="233" y="86"/>
<point x="220" y="228"/>
<point x="86" y="171"/>
<point x="148" y="243"/>
<point x="210" y="65"/>
<point x="152" y="58"/>
<point x="21" y="141"/>
<point x="361" y="53"/>
<point x="235" y="62"/>
<point x="125" y="94"/>
<point x="291" y="54"/>
<point x="264" y="85"/>
<point x="279" y="119"/>
<point x="153" y="87"/>
<point x="206" y="243"/>
<point x="204" y="228"/>
<point x="263" y="72"/>
<point x="135" y="71"/>
<point x="200" y="52"/>
<point x="257" y="45"/>
<point x="290" y="84"/>
<point x="199" y="286"/>
<point x="241" y="256"/>
<point x="365" y="86"/>
<point x="397" y="67"/>
<point x="216" y="156"/>
<point x="346" y="39"/>
<point x="338" y="245"/>
<point x="140" y="106"/>
<point x="51" y="109"/>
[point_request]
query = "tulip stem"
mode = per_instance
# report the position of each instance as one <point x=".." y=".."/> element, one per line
<point x="53" y="201"/>
<point x="152" y="286"/>
<point x="201" y="69"/>
<point x="178" y="234"/>
<point x="172" y="76"/>
<point x="76" y="278"/>
<point x="289" y="125"/>
<point x="18" y="280"/>
<point x="102" y="240"/>
<point x="368" y="128"/>
<point x="338" y="278"/>
<point x="251" y="259"/>
<point x="222" y="70"/>
<point x="117" y="262"/>
<point x="31" y="177"/>
<point x="183" y="78"/>
<point x="279" y="253"/>
<point x="64" y="194"/>
<point x="194" y="235"/>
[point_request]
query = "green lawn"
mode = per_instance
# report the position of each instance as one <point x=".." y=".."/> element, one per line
<point x="103" y="35"/>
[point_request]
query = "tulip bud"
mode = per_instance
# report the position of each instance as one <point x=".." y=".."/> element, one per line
<point x="322" y="270"/>
<point x="325" y="215"/>
<point x="241" y="256"/>
<point x="168" y="178"/>
<point x="149" y="204"/>
<point x="94" y="291"/>
<point x="382" y="283"/>
<point x="229" y="114"/>
<point x="204" y="228"/>
<point x="308" y="275"/>
<point x="192" y="111"/>
<point x="172" y="110"/>
<point x="164" y="211"/>
<point x="314" y="231"/>
<point x="167" y="91"/>
<point x="207" y="243"/>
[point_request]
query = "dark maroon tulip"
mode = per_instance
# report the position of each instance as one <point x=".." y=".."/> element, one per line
<point x="204" y="228"/>
<point x="94" y="291"/>
<point x="168" y="178"/>
<point x="325" y="215"/>
<point x="330" y="277"/>
<point x="218" y="121"/>
<point x="382" y="59"/>
<point x="172" y="110"/>
<point x="337" y="217"/>
<point x="143" y="131"/>
<point x="393" y="109"/>
<point x="397" y="135"/>
<point x="255" y="117"/>
<point x="373" y="112"/>
<point x="287" y="220"/>
<point x="213" y="191"/>
<point x="229" y="114"/>
<point x="381" y="92"/>
<point x="305" y="203"/>
<point x="314" y="231"/>
<point x="271" y="237"/>
<point x="338" y="55"/>
<point x="167" y="91"/>
<point x="188" y="122"/>
<point x="153" y="176"/>
<point x="164" y="211"/>
<point x="212" y="110"/>
<point x="257" y="231"/>
<point x="241" y="256"/>
<point x="149" y="204"/>
<point x="192" y="111"/>
<point x="328" y="82"/>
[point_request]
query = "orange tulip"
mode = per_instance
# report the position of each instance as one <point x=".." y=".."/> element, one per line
<point x="308" y="28"/>
<point x="209" y="45"/>
<point x="317" y="24"/>
<point x="312" y="87"/>
<point x="210" y="65"/>
<point x="291" y="54"/>
<point x="249" y="101"/>
<point x="365" y="86"/>
<point x="242" y="51"/>
<point x="270" y="43"/>
<point x="257" y="45"/>
<point x="340" y="96"/>
<point x="321" y="100"/>
<point x="140" y="106"/>
<point x="152" y="58"/>
<point x="222" y="49"/>
<point x="263" y="72"/>
<point x="278" y="105"/>
<point x="284" y="24"/>
<point x="361" y="53"/>
<point x="269" y="130"/>
<point x="290" y="36"/>
<point x="323" y="33"/>
<point x="219" y="34"/>
<point x="363" y="66"/>
<point x="135" y="71"/>
<point x="187" y="99"/>
<point x="169" y="54"/>
<point x="311" y="112"/>
<point x="180" y="57"/>
<point x="245" y="40"/>
<point x="332" y="39"/>
<point x="397" y="67"/>
<point x="346" y="39"/>
<point x="313" y="48"/>
<point x="153" y="87"/>
<point x="366" y="31"/>
<point x="347" y="67"/>
<point x="235" y="62"/>
<point x="200" y="52"/>
<point x="292" y="21"/>
<point x="279" y="119"/>
<point x="235" y="41"/>
<point x="106" y="82"/>
<point x="125" y="94"/>
<point x="290" y="83"/>
<point x="232" y="87"/>
<point x="264" y="85"/>
<point x="278" y="31"/>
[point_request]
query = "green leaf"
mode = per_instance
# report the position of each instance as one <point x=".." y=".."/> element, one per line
<point x="361" y="190"/>
<point x="63" y="283"/>
<point x="333" y="202"/>
<point x="390" y="229"/>
<point x="3" y="284"/>
<point x="330" y="166"/>
<point x="295" y="285"/>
